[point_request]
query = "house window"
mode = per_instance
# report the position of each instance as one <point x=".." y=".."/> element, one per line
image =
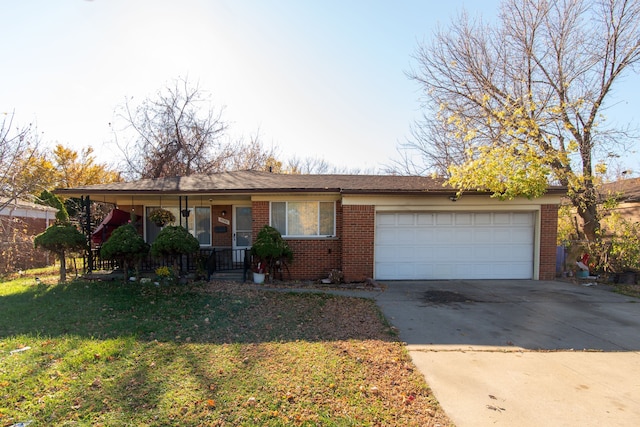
<point x="202" y="225"/>
<point x="304" y="219"/>
<point x="198" y="223"/>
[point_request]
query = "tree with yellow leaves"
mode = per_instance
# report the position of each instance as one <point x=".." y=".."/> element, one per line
<point x="515" y="106"/>
<point x="74" y="169"/>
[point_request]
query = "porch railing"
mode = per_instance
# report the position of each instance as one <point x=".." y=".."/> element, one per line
<point x="205" y="262"/>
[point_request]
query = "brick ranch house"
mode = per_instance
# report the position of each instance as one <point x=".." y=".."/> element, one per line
<point x="381" y="227"/>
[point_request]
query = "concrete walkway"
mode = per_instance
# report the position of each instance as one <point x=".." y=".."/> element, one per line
<point x="522" y="353"/>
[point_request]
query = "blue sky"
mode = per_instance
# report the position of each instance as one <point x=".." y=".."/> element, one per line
<point x="319" y="79"/>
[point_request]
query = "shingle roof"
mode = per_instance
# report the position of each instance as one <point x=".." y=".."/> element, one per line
<point x="627" y="190"/>
<point x="265" y="182"/>
<point x="24" y="204"/>
<point x="254" y="181"/>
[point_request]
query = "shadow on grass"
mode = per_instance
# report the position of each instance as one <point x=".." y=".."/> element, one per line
<point x="109" y="353"/>
<point x="188" y="313"/>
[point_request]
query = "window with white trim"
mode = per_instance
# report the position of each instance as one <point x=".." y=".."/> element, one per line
<point x="304" y="218"/>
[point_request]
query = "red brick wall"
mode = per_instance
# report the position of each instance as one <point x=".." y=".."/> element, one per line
<point x="260" y="214"/>
<point x="358" y="242"/>
<point x="548" y="241"/>
<point x="313" y="258"/>
<point x="28" y="226"/>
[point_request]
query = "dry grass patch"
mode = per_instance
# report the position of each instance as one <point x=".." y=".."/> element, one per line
<point x="214" y="355"/>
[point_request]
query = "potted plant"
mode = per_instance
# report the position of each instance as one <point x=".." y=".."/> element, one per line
<point x="162" y="217"/>
<point x="259" y="272"/>
<point x="270" y="251"/>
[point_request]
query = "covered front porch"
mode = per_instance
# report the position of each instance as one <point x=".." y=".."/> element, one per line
<point x="222" y="226"/>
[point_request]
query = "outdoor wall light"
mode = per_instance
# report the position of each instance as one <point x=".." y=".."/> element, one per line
<point x="185" y="213"/>
<point x="453" y="198"/>
<point x="223" y="213"/>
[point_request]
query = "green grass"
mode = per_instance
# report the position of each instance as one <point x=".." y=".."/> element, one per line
<point x="114" y="354"/>
<point x="628" y="290"/>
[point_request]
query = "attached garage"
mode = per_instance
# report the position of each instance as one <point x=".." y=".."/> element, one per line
<point x="454" y="245"/>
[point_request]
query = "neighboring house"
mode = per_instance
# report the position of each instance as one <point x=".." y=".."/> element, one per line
<point x="380" y="227"/>
<point x="627" y="193"/>
<point x="30" y="218"/>
<point x="20" y="221"/>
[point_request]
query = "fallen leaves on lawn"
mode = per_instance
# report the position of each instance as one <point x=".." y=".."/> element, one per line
<point x="224" y="354"/>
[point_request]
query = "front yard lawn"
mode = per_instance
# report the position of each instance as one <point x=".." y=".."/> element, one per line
<point x="113" y="354"/>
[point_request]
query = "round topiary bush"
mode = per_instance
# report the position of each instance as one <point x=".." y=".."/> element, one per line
<point x="126" y="246"/>
<point x="172" y="242"/>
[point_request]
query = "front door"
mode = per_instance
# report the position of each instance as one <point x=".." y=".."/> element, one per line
<point x="242" y="232"/>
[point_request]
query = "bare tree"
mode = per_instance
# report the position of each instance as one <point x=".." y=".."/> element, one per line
<point x="179" y="133"/>
<point x="176" y="133"/>
<point x="308" y="165"/>
<point x="522" y="101"/>
<point x="251" y="155"/>
<point x="318" y="166"/>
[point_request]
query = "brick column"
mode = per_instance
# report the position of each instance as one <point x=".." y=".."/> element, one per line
<point x="259" y="217"/>
<point x="548" y="241"/>
<point x="358" y="228"/>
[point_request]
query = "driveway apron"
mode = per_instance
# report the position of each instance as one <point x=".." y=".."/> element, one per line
<point x="522" y="353"/>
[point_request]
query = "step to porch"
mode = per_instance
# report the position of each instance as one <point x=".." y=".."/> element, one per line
<point x="228" y="275"/>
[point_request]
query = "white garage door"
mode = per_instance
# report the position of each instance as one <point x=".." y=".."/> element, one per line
<point x="454" y="245"/>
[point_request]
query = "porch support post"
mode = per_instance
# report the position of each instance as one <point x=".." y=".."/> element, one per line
<point x="86" y="201"/>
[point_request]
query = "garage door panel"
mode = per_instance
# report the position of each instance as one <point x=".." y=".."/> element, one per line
<point x="406" y="254"/>
<point x="463" y="219"/>
<point x="386" y="269"/>
<point x="385" y="220"/>
<point x="482" y="219"/>
<point x="443" y="270"/>
<point x="424" y="219"/>
<point x="463" y="237"/>
<point x="512" y="253"/>
<point x="502" y="235"/>
<point x="522" y="219"/>
<point x="464" y="253"/>
<point x="443" y="235"/>
<point x="454" y="245"/>
<point x="406" y="219"/>
<point x="424" y="234"/>
<point x="385" y="235"/>
<point x="444" y="218"/>
<point x="501" y="219"/>
<point x="482" y="236"/>
<point x="405" y="235"/>
<point x="445" y="254"/>
<point x="482" y="254"/>
<point x="522" y="236"/>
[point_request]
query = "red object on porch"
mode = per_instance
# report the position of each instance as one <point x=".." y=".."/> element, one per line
<point x="113" y="220"/>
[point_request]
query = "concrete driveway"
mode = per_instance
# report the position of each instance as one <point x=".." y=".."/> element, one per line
<point x="522" y="353"/>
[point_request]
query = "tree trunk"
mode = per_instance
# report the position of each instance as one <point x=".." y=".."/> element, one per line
<point x="63" y="267"/>
<point x="586" y="203"/>
<point x="125" y="270"/>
